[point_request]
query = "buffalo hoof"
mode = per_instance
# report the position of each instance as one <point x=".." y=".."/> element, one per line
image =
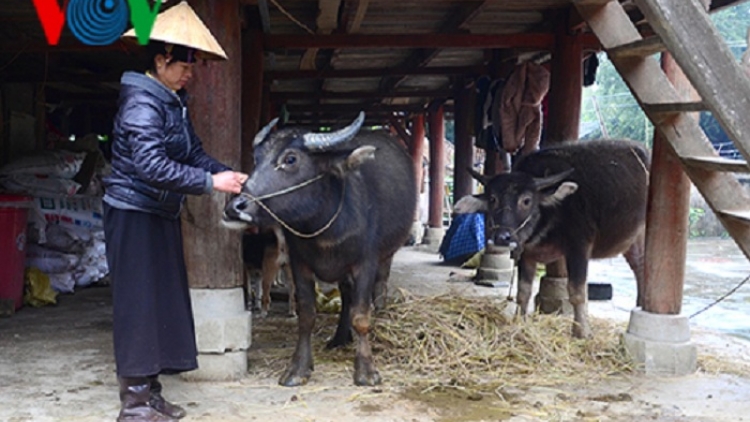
<point x="581" y="331"/>
<point x="365" y="373"/>
<point x="367" y="378"/>
<point x="294" y="378"/>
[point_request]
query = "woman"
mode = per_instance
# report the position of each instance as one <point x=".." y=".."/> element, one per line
<point x="156" y="160"/>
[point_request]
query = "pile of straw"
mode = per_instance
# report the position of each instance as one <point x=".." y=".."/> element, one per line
<point x="455" y="340"/>
<point x="478" y="341"/>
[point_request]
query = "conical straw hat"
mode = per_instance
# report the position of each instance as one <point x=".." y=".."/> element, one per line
<point x="181" y="25"/>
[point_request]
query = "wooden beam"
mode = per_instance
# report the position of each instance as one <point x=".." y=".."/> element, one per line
<point x="437" y="167"/>
<point x="211" y="255"/>
<point x="707" y="62"/>
<point x="354" y="108"/>
<point x="352" y="25"/>
<point x="373" y="73"/>
<point x="399" y="128"/>
<point x="252" y="89"/>
<point x="464" y="147"/>
<point x="524" y="40"/>
<point x="326" y="23"/>
<point x="301" y="95"/>
<point x="536" y="40"/>
<point x="666" y="216"/>
<point x="421" y="57"/>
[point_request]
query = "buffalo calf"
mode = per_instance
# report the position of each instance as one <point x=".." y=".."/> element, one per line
<point x="265" y="256"/>
<point x="576" y="201"/>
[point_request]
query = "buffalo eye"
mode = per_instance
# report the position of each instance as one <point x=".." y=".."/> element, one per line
<point x="524" y="202"/>
<point x="288" y="160"/>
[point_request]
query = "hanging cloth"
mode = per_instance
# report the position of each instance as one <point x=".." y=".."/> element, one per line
<point x="517" y="114"/>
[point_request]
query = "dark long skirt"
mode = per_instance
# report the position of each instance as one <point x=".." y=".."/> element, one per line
<point x="153" y="320"/>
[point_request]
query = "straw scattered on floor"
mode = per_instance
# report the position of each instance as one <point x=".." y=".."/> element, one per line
<point x="460" y="341"/>
<point x="476" y="340"/>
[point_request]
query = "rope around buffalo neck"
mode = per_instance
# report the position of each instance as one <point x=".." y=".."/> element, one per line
<point x="291" y="189"/>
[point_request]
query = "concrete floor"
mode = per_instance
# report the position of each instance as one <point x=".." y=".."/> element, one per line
<point x="56" y="362"/>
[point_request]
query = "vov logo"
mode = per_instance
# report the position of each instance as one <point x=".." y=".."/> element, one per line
<point x="96" y="22"/>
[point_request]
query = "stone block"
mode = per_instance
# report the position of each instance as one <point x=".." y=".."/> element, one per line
<point x="660" y="344"/>
<point x="230" y="366"/>
<point x="221" y="321"/>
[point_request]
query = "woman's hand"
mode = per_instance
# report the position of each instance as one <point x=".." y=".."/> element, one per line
<point x="229" y="181"/>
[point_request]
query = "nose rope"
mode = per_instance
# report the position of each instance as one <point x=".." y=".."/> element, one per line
<point x="517" y="229"/>
<point x="283" y="191"/>
<point x="290" y="189"/>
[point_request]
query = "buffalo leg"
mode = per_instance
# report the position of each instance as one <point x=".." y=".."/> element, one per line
<point x="269" y="271"/>
<point x="577" y="264"/>
<point x="365" y="372"/>
<point x="380" y="290"/>
<point x="301" y="368"/>
<point x="343" y="335"/>
<point x="526" y="273"/>
<point x="289" y="283"/>
<point x="635" y="257"/>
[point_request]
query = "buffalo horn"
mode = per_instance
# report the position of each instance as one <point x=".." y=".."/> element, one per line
<point x="545" y="182"/>
<point x="324" y="141"/>
<point x="264" y="132"/>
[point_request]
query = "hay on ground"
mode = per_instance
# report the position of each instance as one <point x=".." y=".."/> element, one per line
<point x="460" y="341"/>
<point x="477" y="340"/>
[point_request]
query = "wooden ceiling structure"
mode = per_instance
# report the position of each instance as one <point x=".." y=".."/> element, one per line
<point x="324" y="59"/>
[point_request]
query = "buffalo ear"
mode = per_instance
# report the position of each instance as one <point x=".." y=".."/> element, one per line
<point x="359" y="156"/>
<point x="479" y="177"/>
<point x="344" y="162"/>
<point x="470" y="204"/>
<point x="565" y="189"/>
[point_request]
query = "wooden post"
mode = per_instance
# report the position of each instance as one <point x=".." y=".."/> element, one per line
<point x="416" y="150"/>
<point x="437" y="168"/>
<point x="252" y="86"/>
<point x="464" y="157"/>
<point x="211" y="252"/>
<point x="566" y="87"/>
<point x="667" y="214"/>
<point x="566" y="90"/>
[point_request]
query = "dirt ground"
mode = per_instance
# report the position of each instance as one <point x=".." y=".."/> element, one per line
<point x="56" y="365"/>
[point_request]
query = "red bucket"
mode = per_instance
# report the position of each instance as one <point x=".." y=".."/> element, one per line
<point x="13" y="214"/>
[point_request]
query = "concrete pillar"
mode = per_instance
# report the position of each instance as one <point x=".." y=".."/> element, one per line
<point x="435" y="231"/>
<point x="566" y="90"/>
<point x="212" y="253"/>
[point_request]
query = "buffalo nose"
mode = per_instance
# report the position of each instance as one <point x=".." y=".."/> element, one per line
<point x="503" y="237"/>
<point x="236" y="209"/>
<point x="239" y="203"/>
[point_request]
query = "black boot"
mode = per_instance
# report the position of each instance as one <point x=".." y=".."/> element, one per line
<point x="135" y="394"/>
<point x="163" y="406"/>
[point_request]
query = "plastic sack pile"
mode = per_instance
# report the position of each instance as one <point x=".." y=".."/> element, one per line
<point x="65" y="232"/>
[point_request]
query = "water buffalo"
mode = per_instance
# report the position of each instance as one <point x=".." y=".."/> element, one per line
<point x="346" y="201"/>
<point x="576" y="201"/>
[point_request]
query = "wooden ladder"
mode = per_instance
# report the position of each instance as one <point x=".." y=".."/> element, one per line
<point x="684" y="29"/>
